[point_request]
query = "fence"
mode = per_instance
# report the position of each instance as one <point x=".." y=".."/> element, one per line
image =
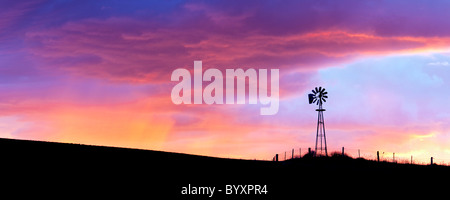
<point x="381" y="156"/>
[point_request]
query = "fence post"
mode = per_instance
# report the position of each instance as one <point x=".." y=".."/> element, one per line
<point x="393" y="157"/>
<point x="431" y="160"/>
<point x="359" y="154"/>
<point x="342" y="151"/>
<point x="411" y="160"/>
<point x="292" y="153"/>
<point x="378" y="156"/>
<point x="276" y="157"/>
<point x="309" y="150"/>
<point x="300" y="150"/>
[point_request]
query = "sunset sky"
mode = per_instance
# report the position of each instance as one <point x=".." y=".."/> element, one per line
<point x="98" y="72"/>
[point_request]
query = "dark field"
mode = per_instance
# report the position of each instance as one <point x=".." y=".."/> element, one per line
<point x="65" y="170"/>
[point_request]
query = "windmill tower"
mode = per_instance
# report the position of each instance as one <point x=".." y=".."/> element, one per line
<point x="318" y="96"/>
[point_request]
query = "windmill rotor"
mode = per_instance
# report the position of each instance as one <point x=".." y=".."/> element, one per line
<point x="318" y="96"/>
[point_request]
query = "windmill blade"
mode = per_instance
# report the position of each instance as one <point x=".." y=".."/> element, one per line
<point x="324" y="96"/>
<point x="324" y="100"/>
<point x="314" y="101"/>
<point x="325" y="93"/>
<point x="317" y="90"/>
<point x="323" y="90"/>
<point x="314" y="91"/>
<point x="320" y="89"/>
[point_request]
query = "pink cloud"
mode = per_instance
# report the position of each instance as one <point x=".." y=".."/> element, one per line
<point x="129" y="50"/>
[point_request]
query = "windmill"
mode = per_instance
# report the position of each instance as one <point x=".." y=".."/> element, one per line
<point x="319" y="96"/>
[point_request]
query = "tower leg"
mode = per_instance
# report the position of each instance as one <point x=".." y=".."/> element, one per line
<point x="317" y="132"/>
<point x="324" y="136"/>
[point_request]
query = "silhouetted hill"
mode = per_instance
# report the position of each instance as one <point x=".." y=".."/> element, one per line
<point x="47" y="167"/>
